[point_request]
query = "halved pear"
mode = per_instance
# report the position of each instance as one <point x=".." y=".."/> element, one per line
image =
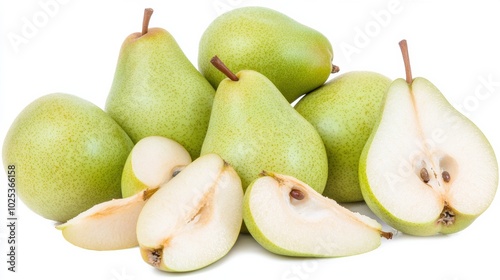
<point x="426" y="168"/>
<point x="152" y="161"/>
<point x="107" y="226"/>
<point x="193" y="220"/>
<point x="288" y="217"/>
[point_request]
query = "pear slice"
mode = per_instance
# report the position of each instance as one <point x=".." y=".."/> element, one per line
<point x="111" y="225"/>
<point x="152" y="161"/>
<point x="426" y="168"/>
<point x="193" y="220"/>
<point x="107" y="226"/>
<point x="288" y="217"/>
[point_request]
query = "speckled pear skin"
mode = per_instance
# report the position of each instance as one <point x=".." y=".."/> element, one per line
<point x="344" y="111"/>
<point x="254" y="128"/>
<point x="157" y="91"/>
<point x="68" y="155"/>
<point x="295" y="57"/>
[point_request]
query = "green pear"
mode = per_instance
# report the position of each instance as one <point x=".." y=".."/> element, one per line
<point x="295" y="57"/>
<point x="68" y="156"/>
<point x="344" y="111"/>
<point x="157" y="91"/>
<point x="426" y="168"/>
<point x="287" y="217"/>
<point x="254" y="128"/>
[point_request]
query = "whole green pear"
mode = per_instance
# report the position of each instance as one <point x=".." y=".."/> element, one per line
<point x="157" y="91"/>
<point x="67" y="155"/>
<point x="344" y="111"/>
<point x="295" y="57"/>
<point x="254" y="128"/>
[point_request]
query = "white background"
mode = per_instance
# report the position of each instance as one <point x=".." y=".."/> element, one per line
<point x="74" y="48"/>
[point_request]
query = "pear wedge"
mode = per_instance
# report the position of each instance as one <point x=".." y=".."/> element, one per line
<point x="426" y="168"/>
<point x="288" y="217"/>
<point x="107" y="226"/>
<point x="153" y="161"/>
<point x="193" y="220"/>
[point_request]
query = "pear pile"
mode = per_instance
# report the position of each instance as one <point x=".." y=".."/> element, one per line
<point x="183" y="160"/>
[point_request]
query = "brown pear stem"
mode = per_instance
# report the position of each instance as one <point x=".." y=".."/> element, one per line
<point x="223" y="68"/>
<point x="386" y="235"/>
<point x="148" y="12"/>
<point x="403" y="45"/>
<point x="335" y="69"/>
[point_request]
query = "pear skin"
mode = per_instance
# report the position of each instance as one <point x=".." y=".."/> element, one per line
<point x="344" y="111"/>
<point x="295" y="57"/>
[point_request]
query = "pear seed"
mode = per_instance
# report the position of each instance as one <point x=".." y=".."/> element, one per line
<point x="297" y="194"/>
<point x="446" y="176"/>
<point x="175" y="173"/>
<point x="424" y="175"/>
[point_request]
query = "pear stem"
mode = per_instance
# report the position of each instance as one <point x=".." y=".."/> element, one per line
<point x="223" y="68"/>
<point x="403" y="45"/>
<point x="145" y="21"/>
<point x="335" y="69"/>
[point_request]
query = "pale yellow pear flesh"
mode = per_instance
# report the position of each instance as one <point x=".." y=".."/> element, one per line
<point x="110" y="225"/>
<point x="193" y="220"/>
<point x="68" y="155"/>
<point x="344" y="111"/>
<point x="157" y="91"/>
<point x="288" y="217"/>
<point x="254" y="128"/>
<point x="295" y="57"/>
<point x="426" y="168"/>
<point x="153" y="161"/>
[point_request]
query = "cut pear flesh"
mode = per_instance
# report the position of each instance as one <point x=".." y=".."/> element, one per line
<point x="110" y="225"/>
<point x="426" y="168"/>
<point x="194" y="219"/>
<point x="153" y="161"/>
<point x="288" y="217"/>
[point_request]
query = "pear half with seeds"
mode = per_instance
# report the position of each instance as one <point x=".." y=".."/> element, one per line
<point x="193" y="220"/>
<point x="426" y="168"/>
<point x="288" y="217"/>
